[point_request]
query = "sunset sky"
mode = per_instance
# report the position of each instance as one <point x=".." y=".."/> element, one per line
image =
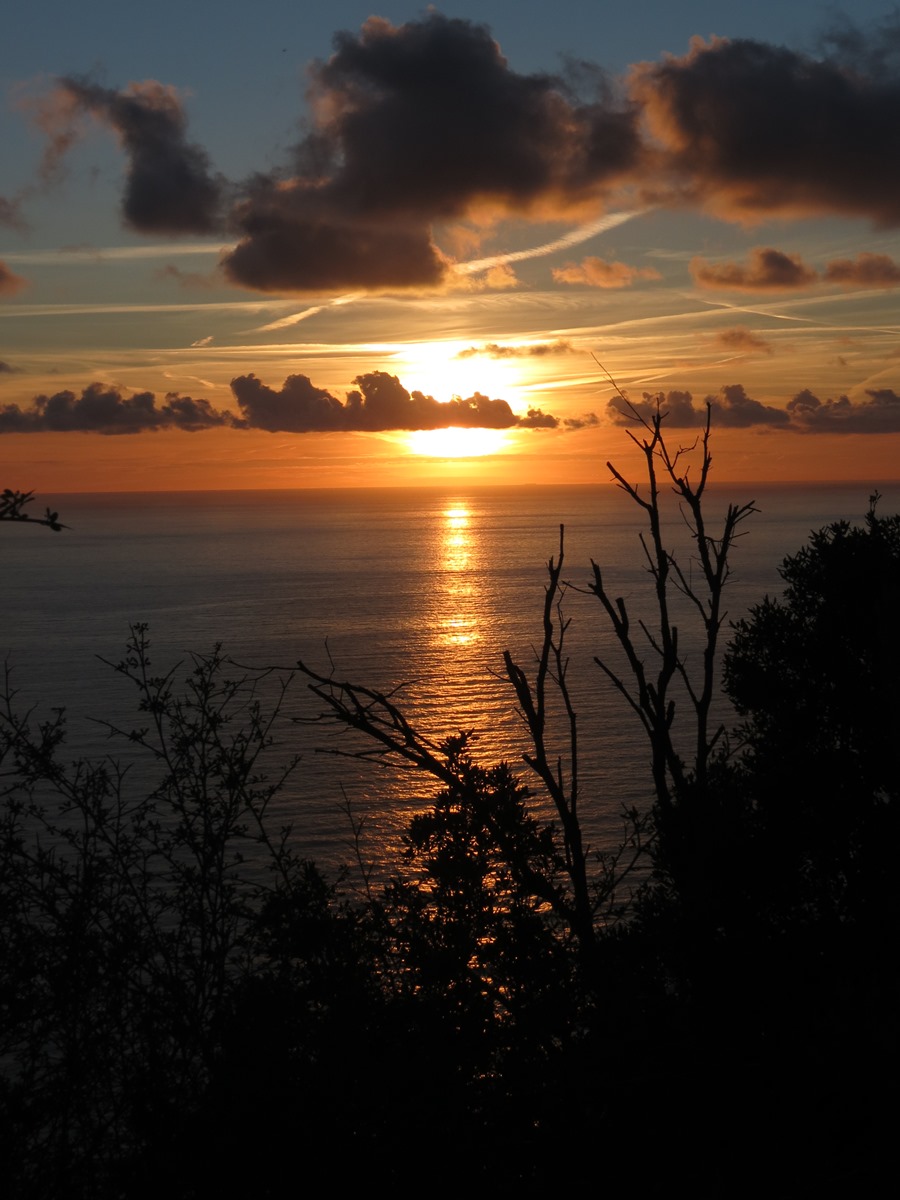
<point x="291" y="247"/>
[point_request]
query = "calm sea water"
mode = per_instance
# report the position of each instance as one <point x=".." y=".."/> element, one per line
<point x="417" y="590"/>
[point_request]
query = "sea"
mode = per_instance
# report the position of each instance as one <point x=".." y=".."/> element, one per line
<point x="412" y="593"/>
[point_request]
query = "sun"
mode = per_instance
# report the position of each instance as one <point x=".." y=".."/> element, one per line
<point x="445" y="370"/>
<point x="456" y="442"/>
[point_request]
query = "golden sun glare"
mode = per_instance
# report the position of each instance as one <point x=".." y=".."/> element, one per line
<point x="456" y="443"/>
<point x="436" y="369"/>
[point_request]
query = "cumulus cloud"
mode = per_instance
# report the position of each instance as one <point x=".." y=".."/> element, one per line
<point x="741" y="339"/>
<point x="529" y="350"/>
<point x="866" y="270"/>
<point x="766" y="270"/>
<point x="598" y="273"/>
<point x="420" y="127"/>
<point x="880" y="413"/>
<point x="417" y="124"/>
<point x="107" y="410"/>
<point x="10" y="283"/>
<point x="584" y="422"/>
<point x="749" y="131"/>
<point x="381" y="403"/>
<point x="731" y="408"/>
<point x="169" y="186"/>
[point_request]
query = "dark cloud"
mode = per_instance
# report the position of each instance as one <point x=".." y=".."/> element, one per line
<point x="750" y="131"/>
<point x="8" y="369"/>
<point x="531" y="350"/>
<point x="294" y="240"/>
<point x="169" y="186"/>
<point x="741" y="339"/>
<point x="297" y="407"/>
<point x="11" y="213"/>
<point x="767" y="270"/>
<point x="597" y="272"/>
<point x="10" y="283"/>
<point x="380" y="404"/>
<point x="534" y="419"/>
<point x="866" y="270"/>
<point x="585" y="422"/>
<point x="423" y="124"/>
<point x="879" y="414"/>
<point x="106" y="410"/>
<point x="732" y="408"/>
<point x="416" y="124"/>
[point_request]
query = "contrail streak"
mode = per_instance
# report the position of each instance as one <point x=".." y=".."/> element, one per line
<point x="574" y="238"/>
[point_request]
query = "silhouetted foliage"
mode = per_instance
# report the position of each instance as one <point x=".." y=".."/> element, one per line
<point x="814" y="675"/>
<point x="12" y="508"/>
<point x="188" y="1008"/>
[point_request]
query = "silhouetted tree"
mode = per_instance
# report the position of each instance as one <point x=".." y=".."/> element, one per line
<point x="814" y="675"/>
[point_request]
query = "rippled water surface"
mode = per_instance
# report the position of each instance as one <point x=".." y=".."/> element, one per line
<point x="409" y="589"/>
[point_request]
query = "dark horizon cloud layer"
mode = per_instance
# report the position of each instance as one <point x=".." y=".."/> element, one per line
<point x="732" y="408"/>
<point x="381" y="404"/>
<point x="425" y="124"/>
<point x="103" y="409"/>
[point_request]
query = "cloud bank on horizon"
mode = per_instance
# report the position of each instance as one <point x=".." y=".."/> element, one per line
<point x="381" y="404"/>
<point x="398" y="152"/>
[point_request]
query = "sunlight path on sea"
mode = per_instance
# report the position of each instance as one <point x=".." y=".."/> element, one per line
<point x="416" y="590"/>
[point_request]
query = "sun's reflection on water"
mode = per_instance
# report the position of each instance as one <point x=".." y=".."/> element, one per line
<point x="456" y="618"/>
